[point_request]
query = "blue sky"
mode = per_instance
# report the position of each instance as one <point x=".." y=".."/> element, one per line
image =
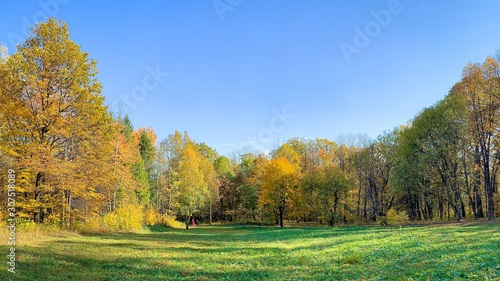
<point x="243" y="72"/>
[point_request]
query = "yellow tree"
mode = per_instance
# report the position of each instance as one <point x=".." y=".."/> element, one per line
<point x="280" y="179"/>
<point x="125" y="153"/>
<point x="480" y="85"/>
<point x="193" y="191"/>
<point x="55" y="123"/>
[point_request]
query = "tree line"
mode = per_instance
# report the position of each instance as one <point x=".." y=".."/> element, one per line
<point x="77" y="164"/>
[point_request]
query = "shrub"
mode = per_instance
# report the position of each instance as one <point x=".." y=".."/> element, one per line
<point x="172" y="222"/>
<point x="151" y="217"/>
<point x="129" y="217"/>
<point x="92" y="225"/>
<point x="396" y="218"/>
<point x="110" y="221"/>
<point x="125" y="217"/>
<point x="26" y="225"/>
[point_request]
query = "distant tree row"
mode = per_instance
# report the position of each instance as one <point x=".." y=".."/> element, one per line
<point x="78" y="165"/>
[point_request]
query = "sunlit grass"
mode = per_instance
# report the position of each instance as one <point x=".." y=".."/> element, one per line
<point x="254" y="253"/>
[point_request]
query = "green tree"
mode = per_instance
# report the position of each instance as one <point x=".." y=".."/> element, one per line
<point x="430" y="158"/>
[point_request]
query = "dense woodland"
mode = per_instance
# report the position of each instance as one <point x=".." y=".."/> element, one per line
<point x="79" y="165"/>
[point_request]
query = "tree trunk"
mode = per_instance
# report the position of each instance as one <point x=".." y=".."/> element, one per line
<point x="478" y="202"/>
<point x="491" y="205"/>
<point x="37" y="216"/>
<point x="210" y="212"/>
<point x="359" y="201"/>
<point x="477" y="185"/>
<point x="488" y="186"/>
<point x="281" y="211"/>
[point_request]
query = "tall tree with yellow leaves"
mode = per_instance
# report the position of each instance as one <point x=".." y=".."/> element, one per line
<point x="55" y="123"/>
<point x="280" y="180"/>
<point x="194" y="191"/>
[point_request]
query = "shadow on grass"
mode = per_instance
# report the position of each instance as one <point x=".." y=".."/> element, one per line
<point x="52" y="266"/>
<point x="249" y="253"/>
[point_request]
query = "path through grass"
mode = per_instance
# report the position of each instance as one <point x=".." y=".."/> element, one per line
<point x="464" y="252"/>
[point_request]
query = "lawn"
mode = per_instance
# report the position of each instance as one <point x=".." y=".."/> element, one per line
<point x="451" y="252"/>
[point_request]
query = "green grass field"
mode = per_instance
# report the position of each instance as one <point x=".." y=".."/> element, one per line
<point x="452" y="252"/>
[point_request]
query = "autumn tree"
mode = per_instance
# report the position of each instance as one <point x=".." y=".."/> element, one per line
<point x="480" y="85"/>
<point x="168" y="160"/>
<point x="55" y="123"/>
<point x="226" y="175"/>
<point x="279" y="181"/>
<point x="194" y="190"/>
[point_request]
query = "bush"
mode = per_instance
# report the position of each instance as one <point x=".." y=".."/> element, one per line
<point x="110" y="221"/>
<point x="171" y="222"/>
<point x="129" y="217"/>
<point x="92" y="225"/>
<point x="395" y="218"/>
<point x="26" y="225"/>
<point x="125" y="217"/>
<point x="151" y="217"/>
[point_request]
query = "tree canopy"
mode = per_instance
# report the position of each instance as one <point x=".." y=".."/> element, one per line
<point x="77" y="164"/>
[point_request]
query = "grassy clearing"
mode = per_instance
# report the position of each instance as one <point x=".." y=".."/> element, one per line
<point x="460" y="252"/>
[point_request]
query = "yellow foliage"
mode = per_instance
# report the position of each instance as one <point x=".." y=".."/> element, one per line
<point x="26" y="226"/>
<point x="171" y="222"/>
<point x="394" y="218"/>
<point x="110" y="221"/>
<point x="129" y="217"/>
<point x="150" y="217"/>
<point x="92" y="225"/>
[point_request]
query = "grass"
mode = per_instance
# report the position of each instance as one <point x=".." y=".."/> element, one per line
<point x="457" y="252"/>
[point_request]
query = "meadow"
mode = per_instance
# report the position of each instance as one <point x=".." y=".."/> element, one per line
<point x="445" y="252"/>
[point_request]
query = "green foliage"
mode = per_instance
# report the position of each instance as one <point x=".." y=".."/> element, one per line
<point x="140" y="175"/>
<point x="128" y="128"/>
<point x="223" y="167"/>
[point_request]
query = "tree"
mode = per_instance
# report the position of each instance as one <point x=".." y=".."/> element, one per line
<point x="55" y="124"/>
<point x="146" y="142"/>
<point x="280" y="180"/>
<point x="431" y="158"/>
<point x="211" y="177"/>
<point x="194" y="190"/>
<point x="480" y="85"/>
<point x="168" y="160"/>
<point x="374" y="164"/>
<point x="412" y="176"/>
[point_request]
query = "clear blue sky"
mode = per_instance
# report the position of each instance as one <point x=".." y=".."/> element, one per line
<point x="232" y="67"/>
